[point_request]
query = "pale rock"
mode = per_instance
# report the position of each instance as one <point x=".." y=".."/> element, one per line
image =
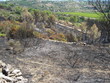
<point x="6" y="78"/>
<point x="2" y="81"/>
<point x="20" y="78"/>
<point x="9" y="67"/>
<point x="13" y="76"/>
<point x="17" y="72"/>
<point x="2" y="64"/>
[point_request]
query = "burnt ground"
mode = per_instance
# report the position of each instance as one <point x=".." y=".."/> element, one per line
<point x="56" y="62"/>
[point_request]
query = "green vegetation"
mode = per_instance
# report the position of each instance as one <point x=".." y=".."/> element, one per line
<point x="54" y="6"/>
<point x="21" y="23"/>
<point x="73" y="19"/>
<point x="17" y="22"/>
<point x="2" y="35"/>
<point x="89" y="15"/>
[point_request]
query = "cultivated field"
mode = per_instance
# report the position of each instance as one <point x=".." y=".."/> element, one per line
<point x="90" y="15"/>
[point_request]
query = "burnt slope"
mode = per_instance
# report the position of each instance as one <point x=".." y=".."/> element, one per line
<point x="56" y="62"/>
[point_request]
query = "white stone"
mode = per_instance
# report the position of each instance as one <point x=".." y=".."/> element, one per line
<point x="6" y="78"/>
<point x="2" y="81"/>
<point x="14" y="76"/>
<point x="20" y="78"/>
<point x="17" y="72"/>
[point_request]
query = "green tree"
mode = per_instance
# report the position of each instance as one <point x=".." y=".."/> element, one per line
<point x="94" y="33"/>
<point x="38" y="16"/>
<point x="18" y="10"/>
<point x="27" y="17"/>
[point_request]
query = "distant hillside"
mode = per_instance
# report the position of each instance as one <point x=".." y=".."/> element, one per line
<point x="55" y="6"/>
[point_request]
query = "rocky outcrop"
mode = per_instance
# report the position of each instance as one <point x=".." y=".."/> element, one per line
<point x="10" y="75"/>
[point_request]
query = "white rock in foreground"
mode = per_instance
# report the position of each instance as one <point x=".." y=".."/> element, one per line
<point x="11" y="76"/>
<point x="6" y="78"/>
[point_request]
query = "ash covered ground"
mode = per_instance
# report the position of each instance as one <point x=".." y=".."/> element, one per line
<point x="57" y="62"/>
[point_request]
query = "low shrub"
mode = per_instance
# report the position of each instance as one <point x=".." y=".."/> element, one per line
<point x="40" y="35"/>
<point x="2" y="35"/>
<point x="20" y="32"/>
<point x="59" y="37"/>
<point x="74" y="19"/>
<point x="50" y="31"/>
<point x="5" y="25"/>
<point x="72" y="38"/>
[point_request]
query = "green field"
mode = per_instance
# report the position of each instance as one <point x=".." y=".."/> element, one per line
<point x="90" y="15"/>
<point x="2" y="35"/>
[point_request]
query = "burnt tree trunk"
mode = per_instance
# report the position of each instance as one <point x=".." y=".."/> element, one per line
<point x="105" y="33"/>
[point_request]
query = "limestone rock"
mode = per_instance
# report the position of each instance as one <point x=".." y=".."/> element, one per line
<point x="17" y="72"/>
<point x="2" y="81"/>
<point x="10" y="75"/>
